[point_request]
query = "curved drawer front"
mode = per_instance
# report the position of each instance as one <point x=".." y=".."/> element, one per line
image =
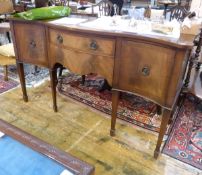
<point x="88" y="44"/>
<point x="83" y="63"/>
<point x="147" y="69"/>
<point x="31" y="43"/>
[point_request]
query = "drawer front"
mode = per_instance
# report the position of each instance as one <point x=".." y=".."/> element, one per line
<point x="83" y="43"/>
<point x="146" y="70"/>
<point x="30" y="41"/>
<point x="82" y="63"/>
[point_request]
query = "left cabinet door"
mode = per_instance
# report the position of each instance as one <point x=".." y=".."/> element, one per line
<point x="30" y="40"/>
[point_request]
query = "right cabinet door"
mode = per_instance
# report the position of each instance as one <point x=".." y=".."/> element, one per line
<point x="147" y="70"/>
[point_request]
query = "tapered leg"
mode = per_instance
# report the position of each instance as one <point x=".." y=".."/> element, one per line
<point x="176" y="107"/>
<point x="53" y="78"/>
<point x="8" y="36"/>
<point x="60" y="70"/>
<point x="83" y="79"/>
<point x="159" y="110"/>
<point x="5" y="73"/>
<point x="164" y="123"/>
<point x="115" y="101"/>
<point x="198" y="65"/>
<point x="187" y="79"/>
<point x="21" y="74"/>
<point x="36" y="70"/>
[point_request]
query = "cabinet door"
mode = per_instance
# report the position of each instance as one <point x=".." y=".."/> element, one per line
<point x="31" y="43"/>
<point x="147" y="70"/>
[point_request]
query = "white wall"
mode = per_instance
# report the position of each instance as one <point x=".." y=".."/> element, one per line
<point x="196" y="6"/>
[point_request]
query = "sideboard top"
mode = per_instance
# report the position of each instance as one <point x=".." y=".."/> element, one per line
<point x="185" y="41"/>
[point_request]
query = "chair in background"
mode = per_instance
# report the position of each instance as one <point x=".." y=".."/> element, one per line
<point x="5" y="29"/>
<point x="194" y="59"/>
<point x="103" y="8"/>
<point x="185" y="3"/>
<point x="6" y="51"/>
<point x="107" y="7"/>
<point x="7" y="57"/>
<point x="166" y="4"/>
<point x="178" y="12"/>
<point x="6" y="8"/>
<point x="193" y="81"/>
<point x="118" y="4"/>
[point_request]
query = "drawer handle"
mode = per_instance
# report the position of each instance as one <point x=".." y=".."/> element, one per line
<point x="32" y="44"/>
<point x="93" y="45"/>
<point x="145" y="71"/>
<point x="60" y="39"/>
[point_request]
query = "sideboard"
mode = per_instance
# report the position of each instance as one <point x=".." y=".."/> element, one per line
<point x="150" y="66"/>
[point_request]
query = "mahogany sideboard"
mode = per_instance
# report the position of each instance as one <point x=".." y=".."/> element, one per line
<point x="146" y="65"/>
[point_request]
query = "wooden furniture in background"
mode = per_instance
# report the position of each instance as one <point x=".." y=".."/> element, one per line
<point x="149" y="66"/>
<point x="165" y="3"/>
<point x="19" y="8"/>
<point x="7" y="57"/>
<point x="108" y="7"/>
<point x="6" y="51"/>
<point x="5" y="29"/>
<point x="185" y="3"/>
<point x="178" y="12"/>
<point x="41" y="3"/>
<point x="195" y="62"/>
<point x="6" y="8"/>
<point x="105" y="8"/>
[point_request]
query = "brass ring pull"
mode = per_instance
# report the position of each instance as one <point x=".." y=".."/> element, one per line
<point x="93" y="45"/>
<point x="60" y="39"/>
<point x="32" y="44"/>
<point x="145" y="71"/>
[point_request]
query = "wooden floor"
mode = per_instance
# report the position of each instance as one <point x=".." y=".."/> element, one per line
<point x="85" y="134"/>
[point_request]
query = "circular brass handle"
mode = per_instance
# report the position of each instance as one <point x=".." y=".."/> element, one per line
<point x="93" y="45"/>
<point x="60" y="39"/>
<point x="32" y="44"/>
<point x="145" y="71"/>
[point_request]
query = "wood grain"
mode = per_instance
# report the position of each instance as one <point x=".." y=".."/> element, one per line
<point x="146" y="65"/>
<point x="31" y="45"/>
<point x="81" y="62"/>
<point x="105" y="46"/>
<point x="84" y="133"/>
<point x="137" y="56"/>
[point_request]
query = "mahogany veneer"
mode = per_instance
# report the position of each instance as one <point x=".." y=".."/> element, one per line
<point x="149" y="66"/>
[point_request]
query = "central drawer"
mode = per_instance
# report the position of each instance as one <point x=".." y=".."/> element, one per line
<point x="84" y="43"/>
<point x="82" y="54"/>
